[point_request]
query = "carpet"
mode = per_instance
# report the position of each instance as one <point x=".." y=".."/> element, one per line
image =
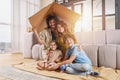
<point x="11" y="73"/>
<point x="105" y="73"/>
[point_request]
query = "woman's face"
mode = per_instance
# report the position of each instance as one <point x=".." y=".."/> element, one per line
<point x="69" y="42"/>
<point x="52" y="23"/>
<point x="53" y="46"/>
<point x="60" y="28"/>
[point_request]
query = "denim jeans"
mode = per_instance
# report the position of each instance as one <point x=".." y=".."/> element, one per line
<point x="77" y="68"/>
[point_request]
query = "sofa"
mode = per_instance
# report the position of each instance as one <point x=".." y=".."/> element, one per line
<point x="102" y="47"/>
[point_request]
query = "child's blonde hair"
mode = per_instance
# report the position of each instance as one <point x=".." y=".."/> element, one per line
<point x="69" y="36"/>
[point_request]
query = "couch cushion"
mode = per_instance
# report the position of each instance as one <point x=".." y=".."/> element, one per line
<point x="84" y="37"/>
<point x="107" y="56"/>
<point x="91" y="51"/>
<point x="118" y="57"/>
<point x="99" y="37"/>
<point x="112" y="36"/>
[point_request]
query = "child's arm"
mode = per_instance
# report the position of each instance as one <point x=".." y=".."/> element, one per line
<point x="46" y="55"/>
<point x="59" y="57"/>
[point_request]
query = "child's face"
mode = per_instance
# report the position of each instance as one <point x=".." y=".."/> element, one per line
<point x="69" y="42"/>
<point x="60" y="28"/>
<point x="53" y="46"/>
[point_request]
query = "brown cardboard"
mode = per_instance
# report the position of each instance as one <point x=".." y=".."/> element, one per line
<point x="38" y="19"/>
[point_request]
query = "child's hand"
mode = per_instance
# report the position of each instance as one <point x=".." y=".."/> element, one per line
<point x="57" y="60"/>
<point x="45" y="65"/>
<point x="79" y="48"/>
<point x="56" y="66"/>
<point x="51" y="65"/>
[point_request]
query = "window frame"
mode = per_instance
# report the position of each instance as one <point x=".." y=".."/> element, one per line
<point x="104" y="15"/>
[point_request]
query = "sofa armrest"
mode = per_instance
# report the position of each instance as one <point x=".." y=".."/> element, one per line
<point x="28" y="45"/>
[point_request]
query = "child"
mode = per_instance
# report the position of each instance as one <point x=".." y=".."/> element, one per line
<point x="75" y="61"/>
<point x="53" y="56"/>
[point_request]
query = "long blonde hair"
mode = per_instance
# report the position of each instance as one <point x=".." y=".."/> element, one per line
<point x="64" y="25"/>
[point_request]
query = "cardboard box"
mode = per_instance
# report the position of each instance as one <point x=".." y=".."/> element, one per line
<point x="39" y="19"/>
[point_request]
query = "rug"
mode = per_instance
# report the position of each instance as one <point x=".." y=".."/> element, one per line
<point x="4" y="78"/>
<point x="105" y="73"/>
<point x="11" y="73"/>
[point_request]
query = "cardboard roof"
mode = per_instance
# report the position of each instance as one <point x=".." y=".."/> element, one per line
<point x="38" y="19"/>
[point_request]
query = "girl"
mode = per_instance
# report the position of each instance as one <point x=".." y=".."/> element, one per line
<point x="53" y="56"/>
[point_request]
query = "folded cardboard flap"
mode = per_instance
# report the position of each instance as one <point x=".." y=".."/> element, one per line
<point x="39" y="17"/>
<point x="38" y="20"/>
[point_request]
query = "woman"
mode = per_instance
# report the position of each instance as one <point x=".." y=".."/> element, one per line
<point x="61" y="31"/>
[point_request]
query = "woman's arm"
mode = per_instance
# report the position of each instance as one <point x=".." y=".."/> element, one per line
<point x="38" y="38"/>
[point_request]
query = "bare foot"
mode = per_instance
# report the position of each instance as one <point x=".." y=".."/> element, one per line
<point x="50" y="69"/>
<point x="39" y="68"/>
<point x="38" y="64"/>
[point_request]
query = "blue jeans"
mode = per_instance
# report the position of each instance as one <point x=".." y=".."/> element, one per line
<point x="77" y="68"/>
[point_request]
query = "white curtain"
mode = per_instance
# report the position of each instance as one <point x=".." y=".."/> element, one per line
<point x="22" y="10"/>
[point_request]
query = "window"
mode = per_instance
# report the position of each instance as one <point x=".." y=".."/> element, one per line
<point x="96" y="15"/>
<point x="84" y="22"/>
<point x="78" y="9"/>
<point x="5" y="25"/>
<point x="110" y="14"/>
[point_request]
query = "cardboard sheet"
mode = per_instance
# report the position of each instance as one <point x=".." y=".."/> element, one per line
<point x="38" y="19"/>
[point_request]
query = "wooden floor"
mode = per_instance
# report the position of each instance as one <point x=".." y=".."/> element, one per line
<point x="14" y="58"/>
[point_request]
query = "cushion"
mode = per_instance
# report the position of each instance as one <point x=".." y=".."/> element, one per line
<point x="112" y="36"/>
<point x="84" y="37"/>
<point x="99" y="37"/>
<point x="91" y="51"/>
<point x="107" y="56"/>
